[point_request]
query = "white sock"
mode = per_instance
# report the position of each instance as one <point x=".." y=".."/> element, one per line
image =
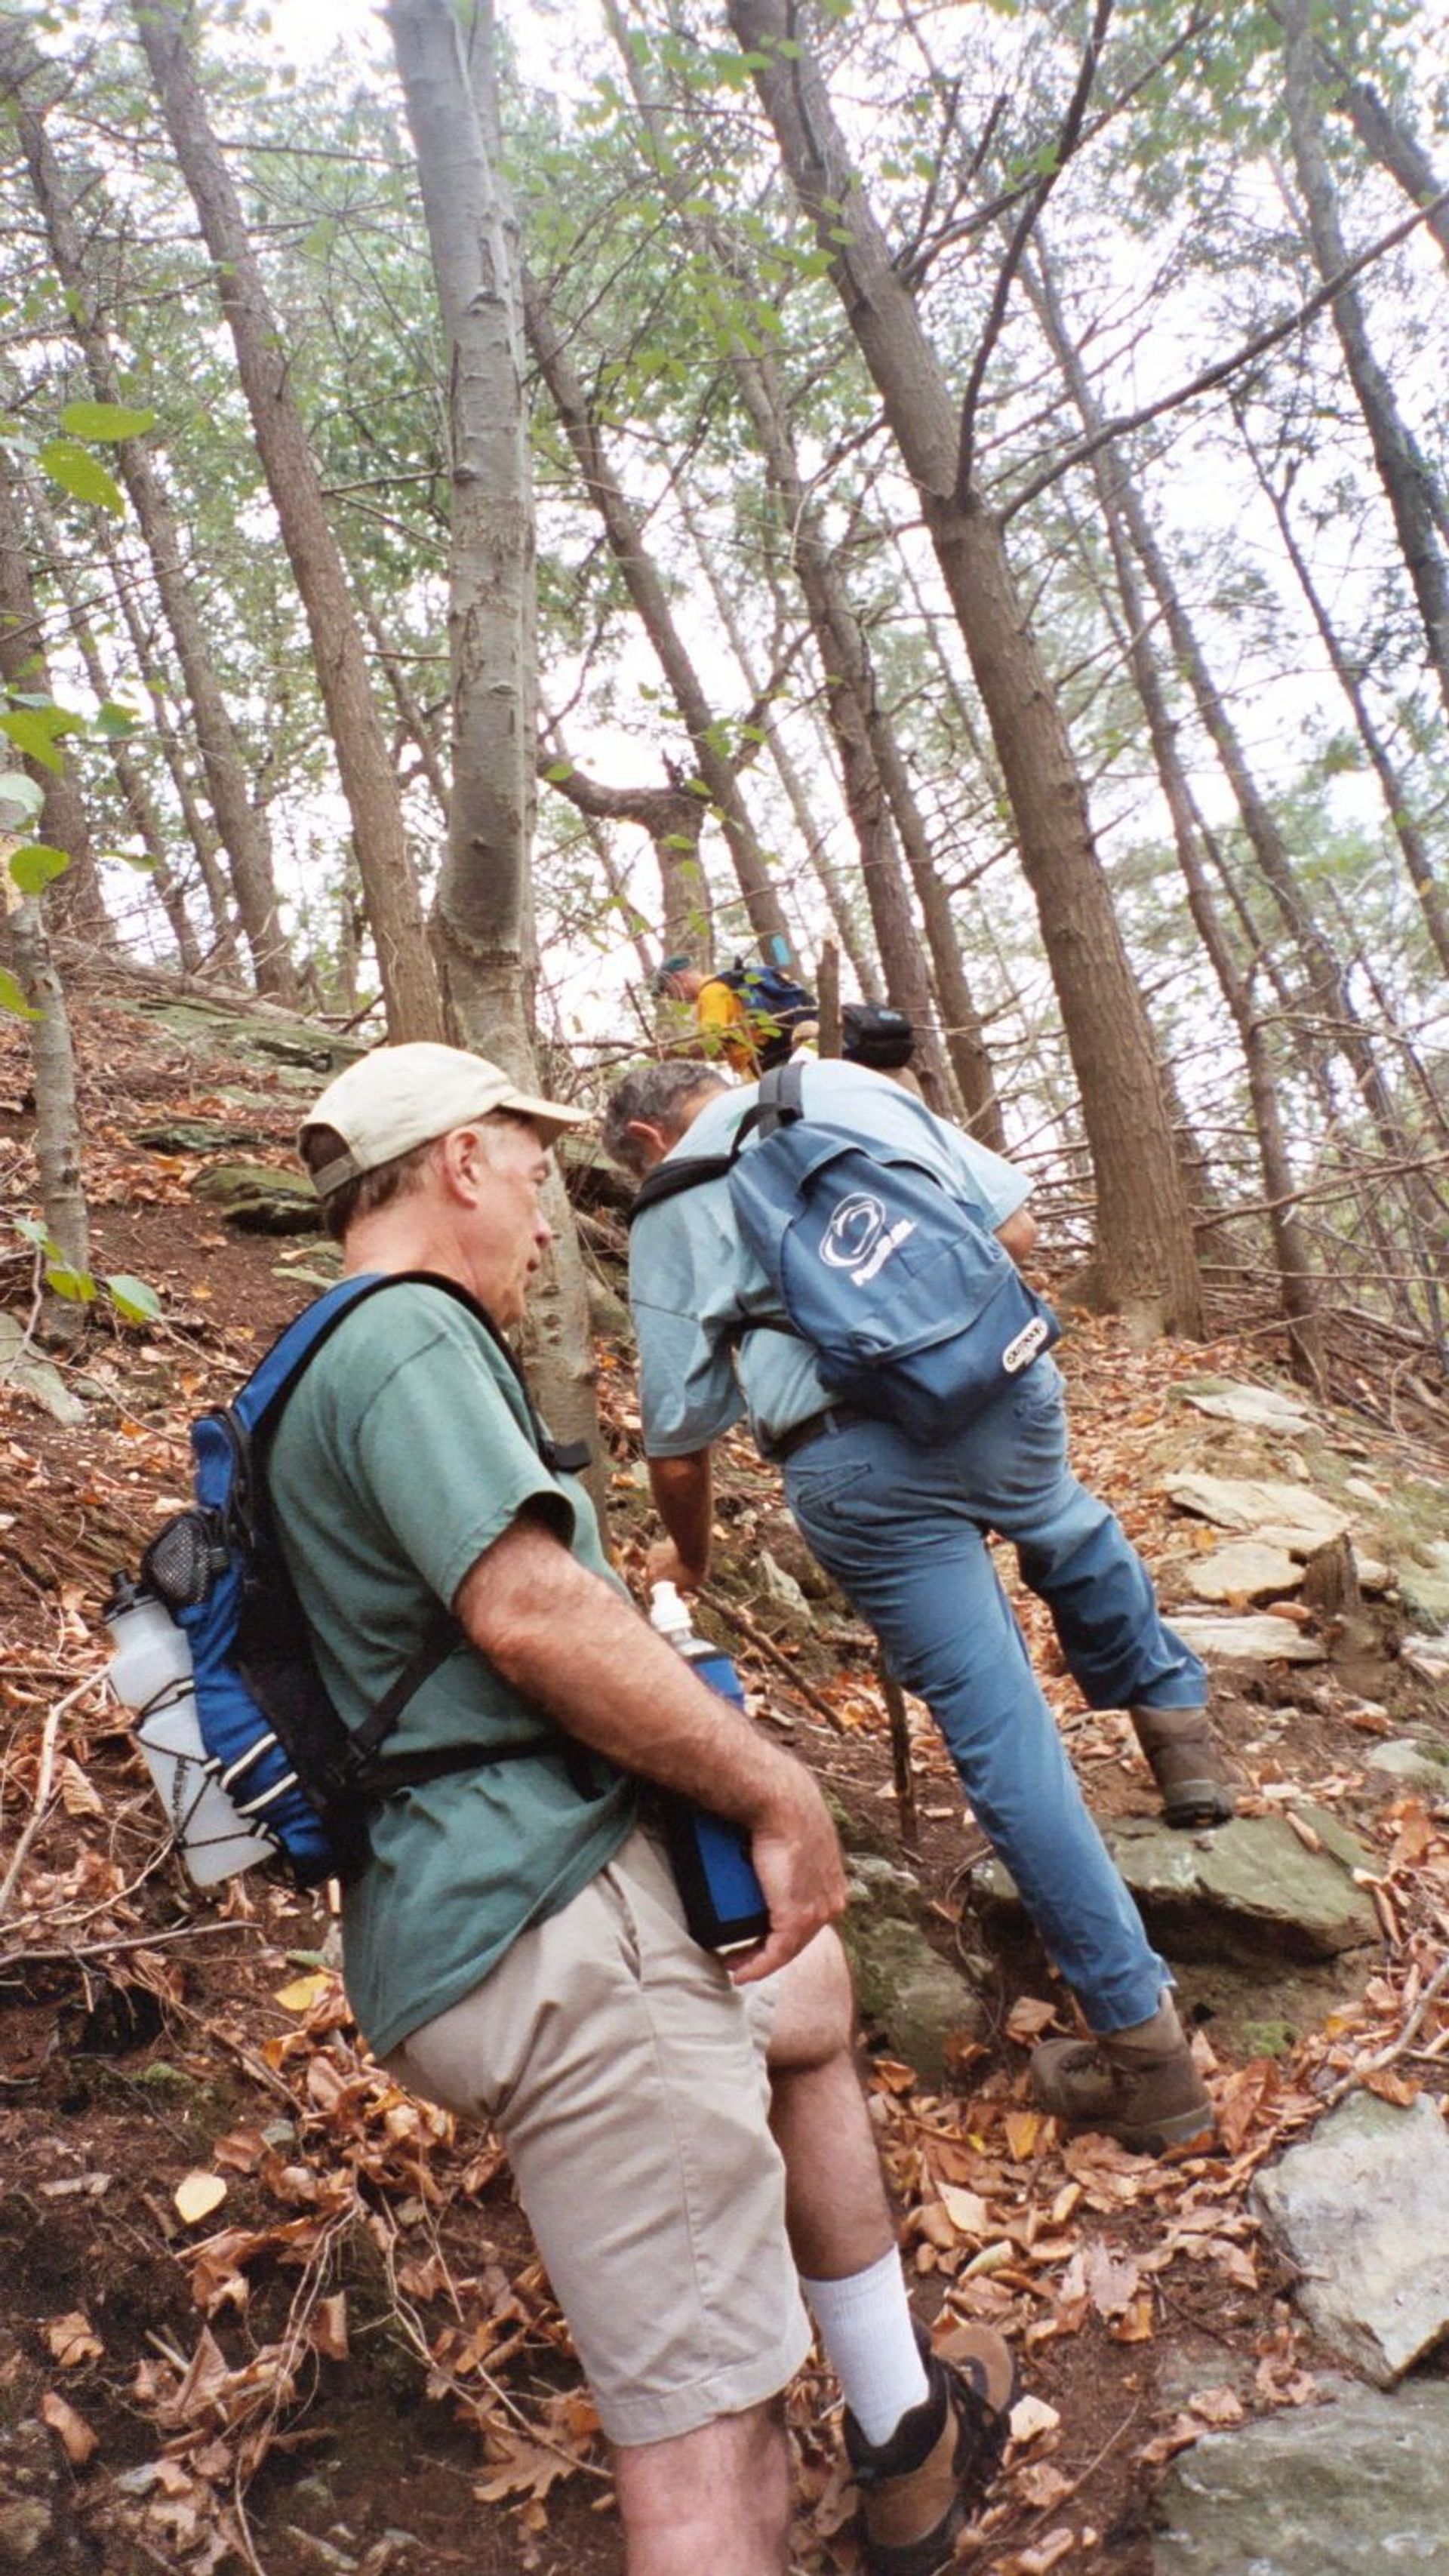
<point x="870" y="2344"/>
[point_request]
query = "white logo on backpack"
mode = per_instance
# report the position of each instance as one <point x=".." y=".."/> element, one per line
<point x="858" y="1239"/>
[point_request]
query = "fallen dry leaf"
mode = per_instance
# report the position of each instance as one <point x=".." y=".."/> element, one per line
<point x="527" y="2471"/>
<point x="304" y="1992"/>
<point x="73" y="2340"/>
<point x="77" y="2440"/>
<point x="1031" y="2417"/>
<point x="198" y="2195"/>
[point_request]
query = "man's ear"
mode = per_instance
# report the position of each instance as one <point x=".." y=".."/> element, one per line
<point x="460" y="1161"/>
<point x="651" y="1140"/>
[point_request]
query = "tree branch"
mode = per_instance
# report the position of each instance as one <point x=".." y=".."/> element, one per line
<point x="1222" y="368"/>
<point x="1062" y="151"/>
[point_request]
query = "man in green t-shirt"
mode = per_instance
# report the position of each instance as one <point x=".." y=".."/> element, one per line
<point x="688" y="2138"/>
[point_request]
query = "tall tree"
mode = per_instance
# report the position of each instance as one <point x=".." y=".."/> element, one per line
<point x="369" y="782"/>
<point x="485" y="899"/>
<point x="1145" y="1252"/>
<point x="1418" y="507"/>
<point x="28" y="81"/>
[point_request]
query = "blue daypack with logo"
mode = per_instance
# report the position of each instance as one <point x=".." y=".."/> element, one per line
<point x="913" y="1310"/>
<point x="296" y="1773"/>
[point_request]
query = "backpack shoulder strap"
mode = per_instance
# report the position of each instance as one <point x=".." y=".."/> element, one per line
<point x="275" y="1378"/>
<point x="669" y="1178"/>
<point x="780" y="1101"/>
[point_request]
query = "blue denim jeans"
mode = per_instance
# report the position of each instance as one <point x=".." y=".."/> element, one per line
<point x="902" y="1529"/>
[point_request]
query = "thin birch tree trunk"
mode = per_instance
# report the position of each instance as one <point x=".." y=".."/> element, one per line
<point x="394" y="905"/>
<point x="1146" y="1262"/>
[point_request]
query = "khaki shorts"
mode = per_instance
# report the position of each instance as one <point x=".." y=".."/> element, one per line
<point x="626" y="2077"/>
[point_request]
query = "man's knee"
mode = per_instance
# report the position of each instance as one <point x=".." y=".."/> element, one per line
<point x="814" y="2007"/>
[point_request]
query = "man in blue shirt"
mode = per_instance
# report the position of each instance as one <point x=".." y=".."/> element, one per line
<point x="902" y="1527"/>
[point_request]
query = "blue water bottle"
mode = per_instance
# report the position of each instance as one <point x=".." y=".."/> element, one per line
<point x="724" y="1903"/>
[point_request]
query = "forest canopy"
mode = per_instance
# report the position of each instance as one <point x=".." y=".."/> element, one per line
<point x="484" y="507"/>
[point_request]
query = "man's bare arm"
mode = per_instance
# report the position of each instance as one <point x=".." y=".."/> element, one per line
<point x="683" y="1490"/>
<point x="567" y="1641"/>
<point x="1018" y="1235"/>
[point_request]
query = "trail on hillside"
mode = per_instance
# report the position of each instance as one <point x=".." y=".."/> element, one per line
<point x="266" y="2312"/>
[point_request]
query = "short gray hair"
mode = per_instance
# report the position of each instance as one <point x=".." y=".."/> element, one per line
<point x="656" y="1094"/>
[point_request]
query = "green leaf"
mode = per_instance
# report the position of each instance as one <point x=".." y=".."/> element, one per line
<point x="558" y="770"/>
<point x="31" y="1229"/>
<point x="21" y="792"/>
<point x="13" y="1000"/>
<point x="132" y="1298"/>
<point x="76" y="1286"/>
<point x="77" y="472"/>
<point x="105" y="420"/>
<point x="34" y="730"/>
<point x="35" y="864"/>
<point x="113" y="720"/>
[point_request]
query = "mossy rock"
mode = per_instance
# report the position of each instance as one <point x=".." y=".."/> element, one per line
<point x="260" y="1200"/>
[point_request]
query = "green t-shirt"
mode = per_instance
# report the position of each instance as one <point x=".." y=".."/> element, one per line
<point x="404" y="1453"/>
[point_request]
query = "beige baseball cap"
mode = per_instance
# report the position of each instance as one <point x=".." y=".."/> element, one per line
<point x="402" y="1096"/>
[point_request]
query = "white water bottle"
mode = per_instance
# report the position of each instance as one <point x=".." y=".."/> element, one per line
<point x="151" y="1675"/>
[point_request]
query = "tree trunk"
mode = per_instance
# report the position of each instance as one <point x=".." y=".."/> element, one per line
<point x="223" y="953"/>
<point x="645" y="588"/>
<point x="1403" y="471"/>
<point x="1386" y="139"/>
<point x="409" y="981"/>
<point x="812" y="834"/>
<point x="1146" y="1260"/>
<point x="242" y="829"/>
<point x="58" y="1140"/>
<point x="1401" y="821"/>
<point x="141" y="813"/>
<point x="1298" y="1287"/>
<point x="75" y="903"/>
<point x="484" y="911"/>
<point x="673" y="820"/>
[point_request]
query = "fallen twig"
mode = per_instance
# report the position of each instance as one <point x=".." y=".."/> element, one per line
<point x="1396" y="2048"/>
<point x="43" y="1781"/>
<point x="766" y="1646"/>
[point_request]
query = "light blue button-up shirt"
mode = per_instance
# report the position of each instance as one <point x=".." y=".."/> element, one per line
<point x="693" y="1285"/>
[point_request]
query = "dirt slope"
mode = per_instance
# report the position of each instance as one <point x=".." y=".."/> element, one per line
<point x="335" y="2350"/>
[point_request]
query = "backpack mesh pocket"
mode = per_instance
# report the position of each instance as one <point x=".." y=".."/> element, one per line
<point x="183" y="1558"/>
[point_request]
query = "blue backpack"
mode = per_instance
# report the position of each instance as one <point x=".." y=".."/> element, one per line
<point x="294" y="1771"/>
<point x="912" y="1309"/>
<point x="776" y="1003"/>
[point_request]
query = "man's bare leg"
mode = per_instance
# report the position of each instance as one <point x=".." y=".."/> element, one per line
<point x="836" y="2211"/>
<point x="715" y="2502"/>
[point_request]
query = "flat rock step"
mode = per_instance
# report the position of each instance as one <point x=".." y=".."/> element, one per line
<point x="1345" y="2489"/>
<point x="1245" y="1892"/>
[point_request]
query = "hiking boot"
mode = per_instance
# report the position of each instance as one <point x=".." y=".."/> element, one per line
<point x="1191" y="1775"/>
<point x="1138" y="2086"/>
<point x="918" y="2488"/>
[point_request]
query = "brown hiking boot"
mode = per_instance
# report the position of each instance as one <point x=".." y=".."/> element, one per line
<point x="920" y="2487"/>
<point x="1138" y="2085"/>
<point x="1192" y="1777"/>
